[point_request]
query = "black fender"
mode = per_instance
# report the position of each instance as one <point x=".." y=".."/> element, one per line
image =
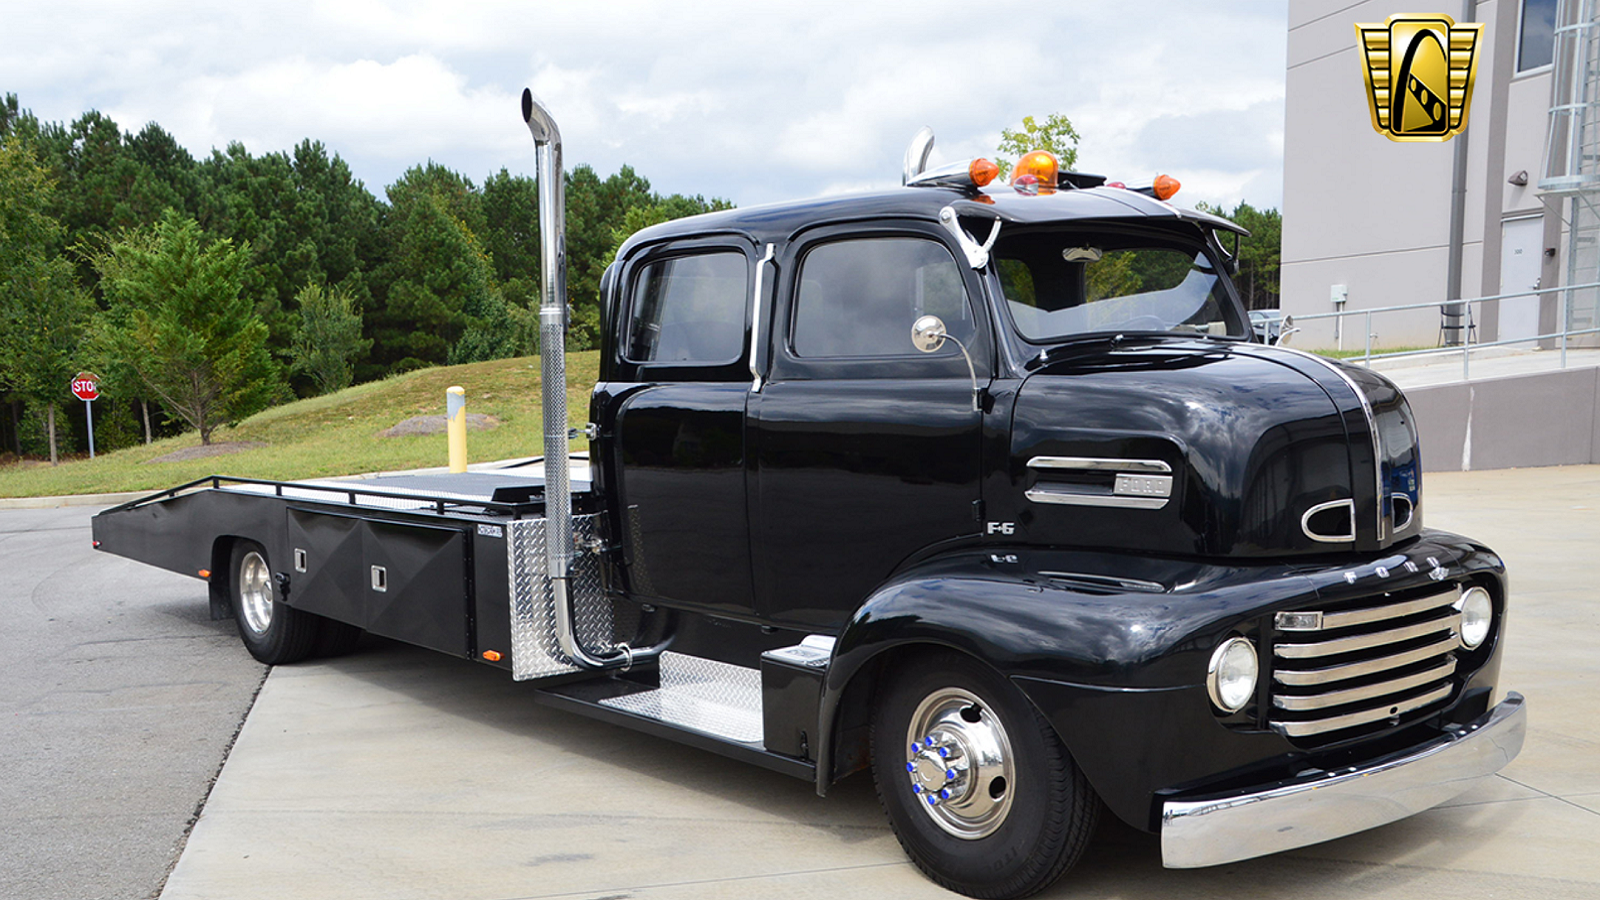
<point x="1111" y="648"/>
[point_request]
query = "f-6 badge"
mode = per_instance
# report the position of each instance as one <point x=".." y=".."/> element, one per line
<point x="1419" y="70"/>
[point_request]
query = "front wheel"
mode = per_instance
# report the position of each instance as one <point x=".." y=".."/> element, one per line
<point x="978" y="788"/>
<point x="273" y="631"/>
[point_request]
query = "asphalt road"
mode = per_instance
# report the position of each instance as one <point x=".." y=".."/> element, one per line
<point x="119" y="699"/>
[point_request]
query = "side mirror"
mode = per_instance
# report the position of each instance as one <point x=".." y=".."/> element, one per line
<point x="1287" y="328"/>
<point x="928" y="334"/>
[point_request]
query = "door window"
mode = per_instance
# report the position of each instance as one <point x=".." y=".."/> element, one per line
<point x="859" y="298"/>
<point x="689" y="309"/>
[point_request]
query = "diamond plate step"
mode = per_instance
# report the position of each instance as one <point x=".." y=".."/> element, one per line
<point x="712" y="697"/>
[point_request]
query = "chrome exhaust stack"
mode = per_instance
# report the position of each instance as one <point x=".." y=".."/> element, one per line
<point x="553" y="375"/>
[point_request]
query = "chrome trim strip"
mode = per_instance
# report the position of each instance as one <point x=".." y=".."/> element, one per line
<point x="1365" y="717"/>
<point x="755" y="321"/>
<point x="1098" y="464"/>
<point x="1302" y="677"/>
<point x="1296" y="702"/>
<point x="1305" y="523"/>
<point x="1070" y="498"/>
<point x="1411" y="510"/>
<point x="1228" y="827"/>
<point x="1392" y="611"/>
<point x="1364" y="641"/>
<point x="1372" y="428"/>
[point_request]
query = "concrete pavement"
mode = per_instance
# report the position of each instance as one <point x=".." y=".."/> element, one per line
<point x="398" y="773"/>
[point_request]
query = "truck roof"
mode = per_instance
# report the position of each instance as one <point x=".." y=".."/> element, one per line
<point x="776" y="222"/>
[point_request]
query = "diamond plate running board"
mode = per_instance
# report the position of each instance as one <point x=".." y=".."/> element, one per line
<point x="715" y="698"/>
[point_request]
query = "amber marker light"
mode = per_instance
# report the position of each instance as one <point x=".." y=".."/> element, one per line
<point x="1042" y="165"/>
<point x="492" y="655"/>
<point x="205" y="573"/>
<point x="1166" y="186"/>
<point x="982" y="171"/>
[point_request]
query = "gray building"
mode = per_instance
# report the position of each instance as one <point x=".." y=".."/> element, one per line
<point x="1370" y="222"/>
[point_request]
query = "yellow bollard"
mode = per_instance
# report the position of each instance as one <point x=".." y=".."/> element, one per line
<point x="456" y="426"/>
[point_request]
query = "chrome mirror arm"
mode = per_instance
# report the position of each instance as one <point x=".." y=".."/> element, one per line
<point x="928" y="334"/>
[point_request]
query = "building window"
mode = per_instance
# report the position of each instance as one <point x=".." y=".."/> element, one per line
<point x="1536" y="35"/>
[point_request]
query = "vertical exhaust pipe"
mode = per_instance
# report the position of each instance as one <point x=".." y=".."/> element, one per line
<point x="553" y="374"/>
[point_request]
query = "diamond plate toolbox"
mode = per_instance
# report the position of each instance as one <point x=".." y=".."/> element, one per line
<point x="535" y="653"/>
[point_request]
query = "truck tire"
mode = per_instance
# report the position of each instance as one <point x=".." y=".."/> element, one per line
<point x="274" y="632"/>
<point x="335" y="638"/>
<point x="1009" y="813"/>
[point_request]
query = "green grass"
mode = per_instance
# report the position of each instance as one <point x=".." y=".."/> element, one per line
<point x="1360" y="352"/>
<point x="337" y="434"/>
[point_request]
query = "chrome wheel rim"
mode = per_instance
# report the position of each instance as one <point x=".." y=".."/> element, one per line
<point x="960" y="763"/>
<point x="255" y="593"/>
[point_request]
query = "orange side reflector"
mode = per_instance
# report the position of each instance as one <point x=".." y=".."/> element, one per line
<point x="492" y="655"/>
<point x="205" y="573"/>
<point x="1166" y="186"/>
<point x="982" y="171"/>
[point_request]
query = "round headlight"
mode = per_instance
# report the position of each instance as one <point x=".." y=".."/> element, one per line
<point x="1231" y="676"/>
<point x="1477" y="614"/>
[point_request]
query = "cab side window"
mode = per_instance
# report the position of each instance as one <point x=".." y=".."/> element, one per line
<point x="689" y="309"/>
<point x="859" y="298"/>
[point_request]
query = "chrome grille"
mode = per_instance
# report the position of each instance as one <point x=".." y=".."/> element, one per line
<point x="1363" y="663"/>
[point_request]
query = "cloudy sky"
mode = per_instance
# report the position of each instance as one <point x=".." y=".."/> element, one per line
<point x="754" y="102"/>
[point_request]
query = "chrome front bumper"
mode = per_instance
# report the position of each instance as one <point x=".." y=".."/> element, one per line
<point x="1244" y="824"/>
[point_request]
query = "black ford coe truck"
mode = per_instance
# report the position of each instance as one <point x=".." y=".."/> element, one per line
<point x="985" y="488"/>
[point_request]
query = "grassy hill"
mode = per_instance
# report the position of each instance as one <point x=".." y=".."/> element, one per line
<point x="338" y="434"/>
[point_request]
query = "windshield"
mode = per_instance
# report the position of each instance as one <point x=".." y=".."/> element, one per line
<point x="1059" y="284"/>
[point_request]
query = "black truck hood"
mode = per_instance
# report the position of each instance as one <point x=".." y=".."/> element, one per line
<point x="1255" y="439"/>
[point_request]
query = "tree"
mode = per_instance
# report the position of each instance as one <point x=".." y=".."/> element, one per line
<point x="438" y="279"/>
<point x="180" y="319"/>
<point x="329" y="339"/>
<point x="1055" y="135"/>
<point x="1259" y="254"/>
<point x="42" y="311"/>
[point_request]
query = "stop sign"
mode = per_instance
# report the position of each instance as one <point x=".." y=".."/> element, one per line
<point x="86" y="386"/>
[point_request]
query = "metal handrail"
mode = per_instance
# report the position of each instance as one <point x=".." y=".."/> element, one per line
<point x="1467" y="346"/>
<point x="214" y="482"/>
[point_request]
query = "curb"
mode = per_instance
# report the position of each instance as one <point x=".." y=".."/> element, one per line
<point x="71" y="500"/>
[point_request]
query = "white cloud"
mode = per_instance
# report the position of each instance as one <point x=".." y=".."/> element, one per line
<point x="754" y="103"/>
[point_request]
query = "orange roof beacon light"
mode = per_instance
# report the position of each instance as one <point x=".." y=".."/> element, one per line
<point x="982" y="171"/>
<point x="1039" y="165"/>
<point x="968" y="175"/>
<point x="1165" y="187"/>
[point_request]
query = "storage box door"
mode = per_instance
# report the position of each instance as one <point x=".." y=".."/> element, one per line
<point x="325" y="566"/>
<point x="415" y="579"/>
